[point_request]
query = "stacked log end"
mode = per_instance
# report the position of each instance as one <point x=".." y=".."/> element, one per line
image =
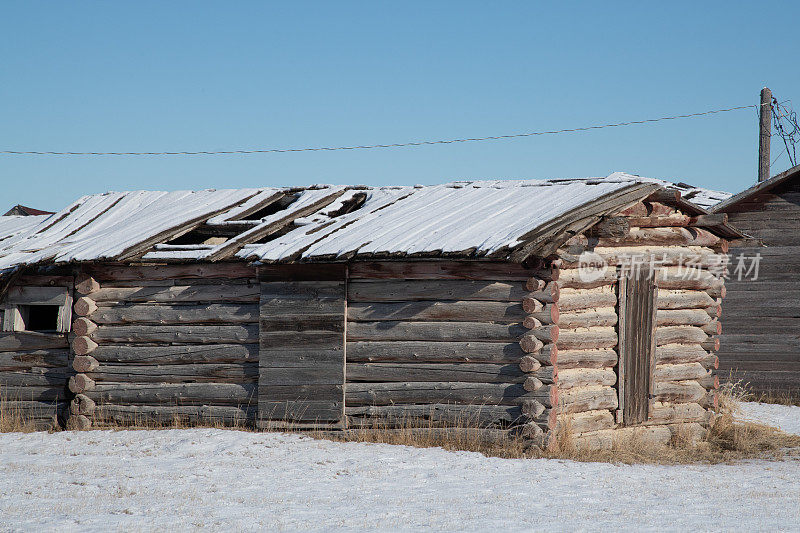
<point x="540" y="364"/>
<point x="81" y="407"/>
<point x="690" y="261"/>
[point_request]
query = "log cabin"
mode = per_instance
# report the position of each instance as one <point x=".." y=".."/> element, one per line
<point x="762" y="346"/>
<point x="510" y="306"/>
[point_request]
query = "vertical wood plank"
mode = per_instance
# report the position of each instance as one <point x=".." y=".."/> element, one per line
<point x="637" y="343"/>
<point x="302" y="346"/>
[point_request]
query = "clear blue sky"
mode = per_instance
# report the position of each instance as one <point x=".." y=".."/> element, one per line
<point x="152" y="76"/>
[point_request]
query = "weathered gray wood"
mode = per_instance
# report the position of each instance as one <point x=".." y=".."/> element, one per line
<point x="359" y="394"/>
<point x="33" y="409"/>
<point x="34" y="393"/>
<point x="764" y="134"/>
<point x="178" y="293"/>
<point x="611" y="227"/>
<point x="177" y="314"/>
<point x="301" y="290"/>
<point x="168" y="414"/>
<point x="637" y="310"/>
<point x="37" y="296"/>
<point x="49" y="377"/>
<point x="464" y="416"/>
<point x="171" y="393"/>
<point x="463" y="372"/>
<point x="273" y="341"/>
<point x="400" y="291"/>
<point x="433" y="331"/>
<point x="313" y="373"/>
<point x="431" y="352"/>
<point x="302" y="356"/>
<point x="469" y="270"/>
<point x="186" y="373"/>
<point x="15" y="361"/>
<point x="30" y="340"/>
<point x="176" y="354"/>
<point x="313" y="272"/>
<point x="454" y="311"/>
<point x="176" y="333"/>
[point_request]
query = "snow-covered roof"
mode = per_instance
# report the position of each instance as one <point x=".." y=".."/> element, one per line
<point x="470" y="219"/>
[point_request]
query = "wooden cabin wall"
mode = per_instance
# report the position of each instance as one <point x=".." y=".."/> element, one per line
<point x="160" y="344"/>
<point x="443" y="341"/>
<point x="762" y="316"/>
<point x="687" y="323"/>
<point x="34" y="366"/>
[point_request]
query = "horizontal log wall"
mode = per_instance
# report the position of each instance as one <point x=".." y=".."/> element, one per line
<point x="451" y="343"/>
<point x="762" y="316"/>
<point x="34" y="366"/>
<point x="689" y="261"/>
<point x="165" y="344"/>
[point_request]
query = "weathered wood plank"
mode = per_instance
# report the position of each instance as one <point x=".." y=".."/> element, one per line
<point x="463" y="372"/>
<point x="445" y="414"/>
<point x="315" y="272"/>
<point x="177" y="314"/>
<point x="179" y="293"/>
<point x="173" y="393"/>
<point x="41" y="377"/>
<point x="432" y="352"/>
<point x="359" y="394"/>
<point x="45" y="393"/>
<point x="400" y="291"/>
<point x="168" y="414"/>
<point x="433" y="331"/>
<point x="29" y="340"/>
<point x="38" y="358"/>
<point x="455" y="311"/>
<point x="226" y="270"/>
<point x="177" y="333"/>
<point x="182" y="373"/>
<point x="468" y="270"/>
<point x="176" y="354"/>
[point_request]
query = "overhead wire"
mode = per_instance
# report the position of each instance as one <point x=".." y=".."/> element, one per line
<point x="374" y="146"/>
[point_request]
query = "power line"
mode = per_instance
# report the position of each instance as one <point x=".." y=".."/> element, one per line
<point x="392" y="145"/>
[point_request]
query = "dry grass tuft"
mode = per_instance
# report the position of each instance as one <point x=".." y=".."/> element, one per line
<point x="15" y="419"/>
<point x="456" y="435"/>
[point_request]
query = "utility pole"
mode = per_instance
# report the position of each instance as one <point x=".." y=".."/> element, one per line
<point x="764" y="133"/>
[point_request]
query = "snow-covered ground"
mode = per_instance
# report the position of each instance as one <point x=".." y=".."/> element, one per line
<point x="231" y="480"/>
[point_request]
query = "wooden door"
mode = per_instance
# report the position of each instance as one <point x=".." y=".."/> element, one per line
<point x="301" y="345"/>
<point x="637" y="317"/>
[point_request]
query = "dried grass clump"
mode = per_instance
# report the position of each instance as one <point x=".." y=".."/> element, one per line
<point x="456" y="435"/>
<point x="15" y="419"/>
